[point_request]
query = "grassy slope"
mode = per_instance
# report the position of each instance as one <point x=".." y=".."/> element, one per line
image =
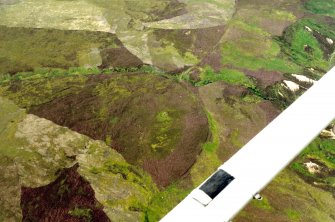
<point x="289" y="198"/>
<point x="131" y="112"/>
<point x="326" y="7"/>
<point x="254" y="50"/>
<point x="297" y="38"/>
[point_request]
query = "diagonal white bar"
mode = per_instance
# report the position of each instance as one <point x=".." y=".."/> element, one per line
<point x="260" y="160"/>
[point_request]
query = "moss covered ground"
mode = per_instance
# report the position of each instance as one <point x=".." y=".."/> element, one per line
<point x="289" y="198"/>
<point x="166" y="133"/>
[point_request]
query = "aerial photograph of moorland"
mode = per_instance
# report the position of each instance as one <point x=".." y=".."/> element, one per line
<point x="115" y="110"/>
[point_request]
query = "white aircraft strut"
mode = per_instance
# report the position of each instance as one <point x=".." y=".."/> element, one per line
<point x="237" y="181"/>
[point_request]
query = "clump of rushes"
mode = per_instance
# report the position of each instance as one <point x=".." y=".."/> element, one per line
<point x="231" y="76"/>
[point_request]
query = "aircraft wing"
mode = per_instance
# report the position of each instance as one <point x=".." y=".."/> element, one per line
<point x="233" y="185"/>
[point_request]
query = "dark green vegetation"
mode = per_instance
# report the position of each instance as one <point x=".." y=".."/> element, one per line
<point x="255" y="50"/>
<point x="325" y="7"/>
<point x="227" y="75"/>
<point x="305" y="44"/>
<point x="253" y="62"/>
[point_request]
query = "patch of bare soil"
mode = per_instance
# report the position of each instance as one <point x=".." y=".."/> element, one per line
<point x="69" y="198"/>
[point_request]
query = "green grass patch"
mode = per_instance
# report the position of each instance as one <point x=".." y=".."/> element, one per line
<point x="212" y="146"/>
<point x="164" y="201"/>
<point x="330" y="181"/>
<point x="293" y="215"/>
<point x="165" y="133"/>
<point x="227" y="75"/>
<point x="85" y="213"/>
<point x="320" y="27"/>
<point x="302" y="47"/>
<point x="252" y="98"/>
<point x="323" y="7"/>
<point x="254" y="50"/>
<point x="232" y="55"/>
<point x="230" y="76"/>
<point x="321" y="150"/>
<point x="300" y="41"/>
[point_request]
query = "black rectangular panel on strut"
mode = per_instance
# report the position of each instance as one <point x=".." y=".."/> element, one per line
<point x="216" y="183"/>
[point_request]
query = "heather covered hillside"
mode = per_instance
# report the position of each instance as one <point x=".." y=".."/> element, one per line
<point x="115" y="110"/>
